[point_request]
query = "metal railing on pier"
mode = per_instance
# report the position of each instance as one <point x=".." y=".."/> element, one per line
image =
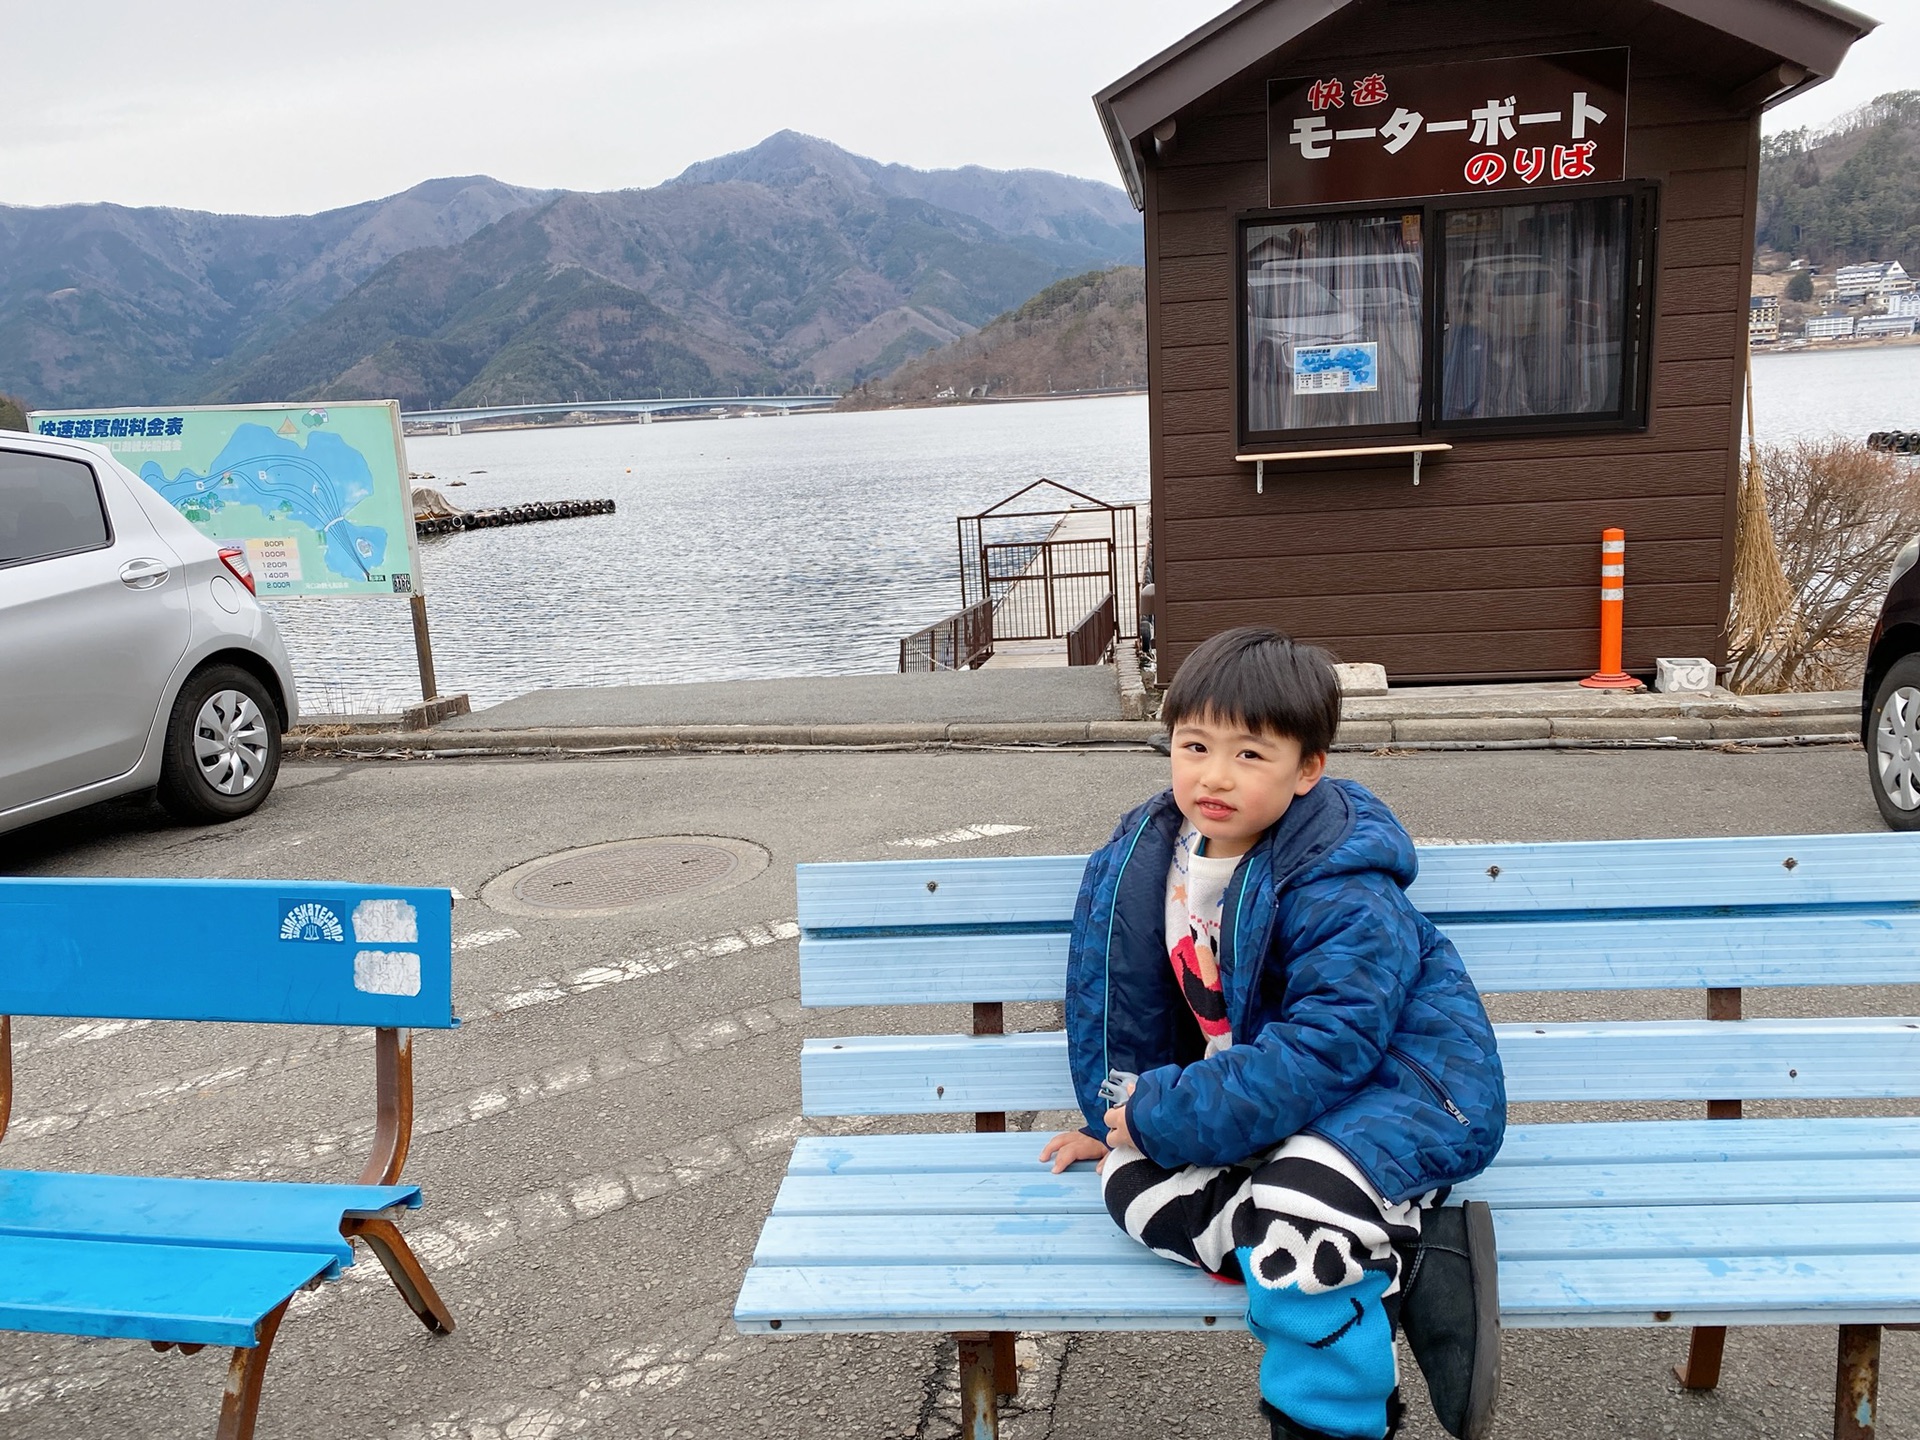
<point x="1089" y="641"/>
<point x="961" y="641"/>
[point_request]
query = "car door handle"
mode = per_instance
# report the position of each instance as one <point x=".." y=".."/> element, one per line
<point x="143" y="574"/>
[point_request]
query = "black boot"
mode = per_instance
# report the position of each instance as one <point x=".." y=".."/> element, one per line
<point x="1285" y="1429"/>
<point x="1450" y="1315"/>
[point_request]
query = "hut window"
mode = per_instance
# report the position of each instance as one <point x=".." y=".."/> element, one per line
<point x="1476" y="314"/>
<point x="1533" y="309"/>
<point x="1333" y="322"/>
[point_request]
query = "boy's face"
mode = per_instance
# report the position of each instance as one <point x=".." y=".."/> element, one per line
<point x="1233" y="783"/>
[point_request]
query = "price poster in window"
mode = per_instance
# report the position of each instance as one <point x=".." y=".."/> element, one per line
<point x="1517" y="124"/>
<point x="1336" y="369"/>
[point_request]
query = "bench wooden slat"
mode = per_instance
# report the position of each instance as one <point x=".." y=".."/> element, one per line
<point x="195" y="950"/>
<point x="188" y="1294"/>
<point x="1625" y="1232"/>
<point x="1826" y="1140"/>
<point x="1846" y="1058"/>
<point x="1574" y="878"/>
<point x="1077" y="1191"/>
<point x="1877" y="945"/>
<point x="234" y="1214"/>
<point x="1788" y="1289"/>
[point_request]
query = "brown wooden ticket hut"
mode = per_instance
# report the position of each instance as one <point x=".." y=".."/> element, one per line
<point x="1506" y="241"/>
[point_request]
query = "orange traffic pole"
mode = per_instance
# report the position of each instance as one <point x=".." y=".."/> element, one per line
<point x="1613" y="606"/>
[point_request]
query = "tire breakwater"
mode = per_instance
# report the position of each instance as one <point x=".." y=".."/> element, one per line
<point x="509" y="515"/>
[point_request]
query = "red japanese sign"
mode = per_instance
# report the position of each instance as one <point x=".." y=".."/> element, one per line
<point x="1365" y="134"/>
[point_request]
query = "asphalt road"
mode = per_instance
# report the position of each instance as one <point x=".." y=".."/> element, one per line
<point x="598" y="1157"/>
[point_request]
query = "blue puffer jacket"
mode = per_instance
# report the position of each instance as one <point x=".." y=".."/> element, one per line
<point x="1353" y="1018"/>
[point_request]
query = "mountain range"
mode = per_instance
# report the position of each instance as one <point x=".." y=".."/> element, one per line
<point x="794" y="265"/>
<point x="1848" y="193"/>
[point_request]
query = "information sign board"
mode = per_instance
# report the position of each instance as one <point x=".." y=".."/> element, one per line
<point x="318" y="495"/>
<point x="1510" y="124"/>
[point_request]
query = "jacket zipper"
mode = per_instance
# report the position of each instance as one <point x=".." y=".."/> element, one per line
<point x="1426" y="1078"/>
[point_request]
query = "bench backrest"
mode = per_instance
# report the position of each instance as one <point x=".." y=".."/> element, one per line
<point x="1713" y="915"/>
<point x="288" y="951"/>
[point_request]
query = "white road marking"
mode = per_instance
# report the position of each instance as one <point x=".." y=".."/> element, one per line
<point x="960" y="836"/>
<point x="481" y="938"/>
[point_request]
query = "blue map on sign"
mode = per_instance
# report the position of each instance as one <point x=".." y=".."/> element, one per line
<point x="1339" y="369"/>
<point x="316" y="485"/>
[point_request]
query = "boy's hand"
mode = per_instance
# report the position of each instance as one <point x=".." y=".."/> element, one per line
<point x="1069" y="1147"/>
<point x="1117" y="1133"/>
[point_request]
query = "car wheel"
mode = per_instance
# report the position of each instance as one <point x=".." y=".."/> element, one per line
<point x="222" y="747"/>
<point x="1893" y="745"/>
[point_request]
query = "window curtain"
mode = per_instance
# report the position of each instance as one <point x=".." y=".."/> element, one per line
<point x="1333" y="322"/>
<point x="1533" y="304"/>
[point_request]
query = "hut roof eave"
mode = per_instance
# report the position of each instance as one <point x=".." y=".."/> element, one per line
<point x="1809" y="38"/>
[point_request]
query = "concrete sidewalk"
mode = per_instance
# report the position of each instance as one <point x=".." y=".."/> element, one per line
<point x="1067" y="707"/>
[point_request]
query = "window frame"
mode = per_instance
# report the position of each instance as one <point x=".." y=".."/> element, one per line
<point x="100" y="498"/>
<point x="1638" y="303"/>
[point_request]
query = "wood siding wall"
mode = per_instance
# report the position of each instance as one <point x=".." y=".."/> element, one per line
<point x="1490" y="568"/>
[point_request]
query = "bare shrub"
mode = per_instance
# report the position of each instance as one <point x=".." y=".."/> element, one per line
<point x="1840" y="514"/>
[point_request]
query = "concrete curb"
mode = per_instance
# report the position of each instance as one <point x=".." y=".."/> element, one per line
<point x="1465" y="732"/>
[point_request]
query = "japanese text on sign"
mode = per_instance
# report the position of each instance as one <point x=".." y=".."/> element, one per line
<point x="1445" y="129"/>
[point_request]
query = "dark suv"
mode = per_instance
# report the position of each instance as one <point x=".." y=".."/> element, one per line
<point x="1890" y="698"/>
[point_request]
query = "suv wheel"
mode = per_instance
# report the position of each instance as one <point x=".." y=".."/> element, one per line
<point x="222" y="747"/>
<point x="1893" y="746"/>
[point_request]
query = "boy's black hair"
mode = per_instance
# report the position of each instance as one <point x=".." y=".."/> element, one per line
<point x="1256" y="677"/>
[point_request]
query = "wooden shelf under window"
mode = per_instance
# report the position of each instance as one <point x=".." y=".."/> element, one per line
<point x="1259" y="459"/>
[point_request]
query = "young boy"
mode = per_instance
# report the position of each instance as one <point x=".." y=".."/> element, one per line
<point x="1305" y="1066"/>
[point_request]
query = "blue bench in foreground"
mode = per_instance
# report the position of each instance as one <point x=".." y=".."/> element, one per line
<point x="189" y="1263"/>
<point x="1673" y="1224"/>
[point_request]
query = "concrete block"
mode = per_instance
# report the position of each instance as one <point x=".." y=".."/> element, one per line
<point x="1761" y="727"/>
<point x="1362" y="679"/>
<point x="890" y="733"/>
<point x="1020" y="732"/>
<point x="743" y="734"/>
<point x="1123" y="729"/>
<point x="1134" y="701"/>
<point x="1484" y="727"/>
<point x="1694" y="677"/>
<point x="429" y="713"/>
<point x="1364" y="732"/>
<point x="1649" y="727"/>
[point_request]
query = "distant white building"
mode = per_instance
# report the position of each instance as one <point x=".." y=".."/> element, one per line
<point x="1907" y="304"/>
<point x="1763" y="319"/>
<point x="1886" y="325"/>
<point x="1857" y="282"/>
<point x="1830" y="327"/>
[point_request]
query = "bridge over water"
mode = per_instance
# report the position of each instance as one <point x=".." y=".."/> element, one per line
<point x="673" y="405"/>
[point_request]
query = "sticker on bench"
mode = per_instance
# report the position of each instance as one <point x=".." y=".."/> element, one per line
<point x="387" y="972"/>
<point x="310" y="920"/>
<point x="385" y="922"/>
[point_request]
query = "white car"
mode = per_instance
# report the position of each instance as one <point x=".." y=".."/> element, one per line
<point x="133" y="655"/>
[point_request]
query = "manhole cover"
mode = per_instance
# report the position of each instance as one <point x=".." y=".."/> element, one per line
<point x="624" y="875"/>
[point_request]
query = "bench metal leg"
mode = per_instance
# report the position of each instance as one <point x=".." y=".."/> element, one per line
<point x="979" y="1400"/>
<point x="240" y="1406"/>
<point x="1006" y="1369"/>
<point x="1702" y="1370"/>
<point x="404" y="1270"/>
<point x="1856" y="1387"/>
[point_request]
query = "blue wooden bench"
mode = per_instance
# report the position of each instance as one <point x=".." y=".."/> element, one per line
<point x="189" y="1263"/>
<point x="1675" y="1224"/>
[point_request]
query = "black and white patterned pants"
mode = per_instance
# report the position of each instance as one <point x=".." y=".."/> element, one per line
<point x="1319" y="1251"/>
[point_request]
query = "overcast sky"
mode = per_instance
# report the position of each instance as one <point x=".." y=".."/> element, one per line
<point x="298" y="105"/>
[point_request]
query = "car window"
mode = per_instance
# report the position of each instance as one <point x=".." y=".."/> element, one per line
<point x="48" y="507"/>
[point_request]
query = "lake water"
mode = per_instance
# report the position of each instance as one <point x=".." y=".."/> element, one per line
<point x="741" y="548"/>
<point x="805" y="545"/>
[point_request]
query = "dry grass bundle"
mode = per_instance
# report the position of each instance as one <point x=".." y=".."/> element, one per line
<point x="1838" y="513"/>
